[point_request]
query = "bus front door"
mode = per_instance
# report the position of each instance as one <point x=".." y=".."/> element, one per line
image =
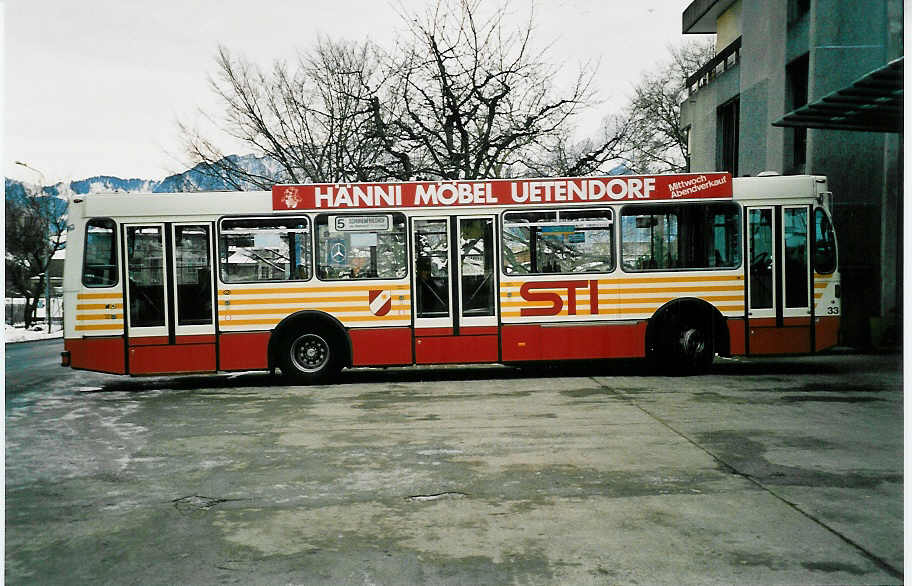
<point x="454" y="283"/>
<point x="169" y="296"/>
<point x="779" y="281"/>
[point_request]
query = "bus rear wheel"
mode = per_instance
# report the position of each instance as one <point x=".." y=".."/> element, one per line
<point x="309" y="357"/>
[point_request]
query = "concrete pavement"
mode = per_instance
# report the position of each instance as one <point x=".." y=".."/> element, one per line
<point x="765" y="472"/>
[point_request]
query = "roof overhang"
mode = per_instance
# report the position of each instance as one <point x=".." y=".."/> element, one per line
<point x="872" y="103"/>
<point x="701" y="15"/>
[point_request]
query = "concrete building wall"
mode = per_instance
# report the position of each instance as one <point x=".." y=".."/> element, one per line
<point x="843" y="40"/>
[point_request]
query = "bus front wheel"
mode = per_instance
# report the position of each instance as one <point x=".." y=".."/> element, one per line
<point x="309" y="357"/>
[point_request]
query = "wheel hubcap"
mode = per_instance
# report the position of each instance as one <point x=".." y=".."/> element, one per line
<point x="692" y="343"/>
<point x="310" y="353"/>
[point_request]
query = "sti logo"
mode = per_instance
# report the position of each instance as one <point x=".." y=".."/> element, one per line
<point x="543" y="291"/>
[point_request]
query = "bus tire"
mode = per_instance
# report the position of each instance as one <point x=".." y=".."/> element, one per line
<point x="694" y="349"/>
<point x="309" y="356"/>
<point x="683" y="342"/>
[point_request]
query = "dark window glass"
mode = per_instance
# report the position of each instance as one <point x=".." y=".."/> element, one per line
<point x="146" y="271"/>
<point x="193" y="275"/>
<point x="264" y="249"/>
<point x="687" y="236"/>
<point x="366" y="246"/>
<point x="729" y="130"/>
<point x="476" y="251"/>
<point x="432" y="268"/>
<point x="559" y="241"/>
<point x="795" y="232"/>
<point x="760" y="225"/>
<point x="99" y="267"/>
<point x="824" y="243"/>
<point x="797" y="76"/>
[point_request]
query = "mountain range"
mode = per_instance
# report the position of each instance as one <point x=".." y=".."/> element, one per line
<point x="195" y="179"/>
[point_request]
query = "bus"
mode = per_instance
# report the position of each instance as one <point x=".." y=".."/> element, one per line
<point x="310" y="279"/>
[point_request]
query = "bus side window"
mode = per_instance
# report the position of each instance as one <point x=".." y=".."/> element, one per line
<point x="824" y="243"/>
<point x="99" y="267"/>
<point x="364" y="246"/>
<point x="264" y="249"/>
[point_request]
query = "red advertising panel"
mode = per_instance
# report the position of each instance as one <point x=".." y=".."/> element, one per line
<point x="501" y="192"/>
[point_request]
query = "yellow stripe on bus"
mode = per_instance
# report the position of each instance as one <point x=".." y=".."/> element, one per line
<point x="117" y="295"/>
<point x="321" y="289"/>
<point x="288" y="311"/>
<point x="343" y="319"/>
<point x="228" y="301"/>
<point x="97" y="316"/>
<point x="622" y="281"/>
<point x="95" y="327"/>
<point x="99" y="306"/>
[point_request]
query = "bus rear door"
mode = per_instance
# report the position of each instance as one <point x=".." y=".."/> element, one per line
<point x="169" y="295"/>
<point x="454" y="282"/>
<point x="779" y="280"/>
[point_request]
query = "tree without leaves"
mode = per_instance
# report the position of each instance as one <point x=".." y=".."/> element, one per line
<point x="464" y="97"/>
<point x="35" y="224"/>
<point x="313" y="122"/>
<point x="477" y="101"/>
<point x="655" y="142"/>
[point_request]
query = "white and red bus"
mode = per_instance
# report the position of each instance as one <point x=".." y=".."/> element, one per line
<point x="318" y="277"/>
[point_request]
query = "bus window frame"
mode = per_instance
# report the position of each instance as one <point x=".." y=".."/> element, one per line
<point x="392" y="213"/>
<point x="611" y="221"/>
<point x="218" y="255"/>
<point x="116" y="250"/>
<point x="739" y="223"/>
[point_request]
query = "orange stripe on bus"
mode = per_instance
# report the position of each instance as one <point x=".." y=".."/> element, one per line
<point x="621" y="281"/>
<point x="287" y="310"/>
<point x="98" y="316"/>
<point x="99" y="295"/>
<point x="99" y="306"/>
<point x="297" y="300"/>
<point x="91" y="327"/>
<point x="343" y="319"/>
<point x="322" y="289"/>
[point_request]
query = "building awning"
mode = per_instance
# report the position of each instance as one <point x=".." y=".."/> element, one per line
<point x="872" y="104"/>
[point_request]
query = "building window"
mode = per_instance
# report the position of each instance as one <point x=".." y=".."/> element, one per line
<point x="796" y="74"/>
<point x="797" y="9"/>
<point x="728" y="115"/>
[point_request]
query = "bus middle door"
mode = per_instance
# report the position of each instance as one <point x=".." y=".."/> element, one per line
<point x="779" y="280"/>
<point x="454" y="282"/>
<point x="170" y="320"/>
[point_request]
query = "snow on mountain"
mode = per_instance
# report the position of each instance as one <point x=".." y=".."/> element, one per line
<point x="195" y="179"/>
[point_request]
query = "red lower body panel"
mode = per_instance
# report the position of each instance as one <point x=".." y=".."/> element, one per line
<point x="537" y="342"/>
<point x="381" y="346"/>
<point x="99" y="354"/>
<point x="182" y="357"/>
<point x="456" y="349"/>
<point x="826" y="333"/>
<point x="247" y="351"/>
<point x="736" y="341"/>
<point x="793" y="337"/>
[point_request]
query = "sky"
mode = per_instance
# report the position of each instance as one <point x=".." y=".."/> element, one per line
<point x="96" y="87"/>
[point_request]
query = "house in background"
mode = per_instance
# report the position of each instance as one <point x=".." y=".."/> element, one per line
<point x="814" y="86"/>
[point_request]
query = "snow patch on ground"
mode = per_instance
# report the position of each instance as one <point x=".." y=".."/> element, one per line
<point x="13" y="334"/>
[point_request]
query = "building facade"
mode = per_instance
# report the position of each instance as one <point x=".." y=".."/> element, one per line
<point x="779" y="96"/>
